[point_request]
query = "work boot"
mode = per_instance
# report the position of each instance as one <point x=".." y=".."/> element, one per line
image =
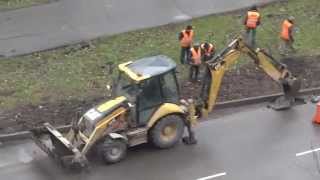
<point x="189" y="140"/>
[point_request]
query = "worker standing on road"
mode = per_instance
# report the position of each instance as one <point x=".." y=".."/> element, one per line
<point x="286" y="45"/>
<point x="185" y="38"/>
<point x="195" y="62"/>
<point x="208" y="51"/>
<point x="252" y="21"/>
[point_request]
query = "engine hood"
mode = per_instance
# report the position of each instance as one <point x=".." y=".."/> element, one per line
<point x="94" y="115"/>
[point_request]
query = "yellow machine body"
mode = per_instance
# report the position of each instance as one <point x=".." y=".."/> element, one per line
<point x="146" y="106"/>
<point x="277" y="71"/>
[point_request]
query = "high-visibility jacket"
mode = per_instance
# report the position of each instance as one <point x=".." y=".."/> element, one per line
<point x="286" y="27"/>
<point x="187" y="38"/>
<point x="196" y="56"/>
<point x="208" y="51"/>
<point x="252" y="19"/>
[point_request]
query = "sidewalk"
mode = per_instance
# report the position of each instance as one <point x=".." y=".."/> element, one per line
<point x="70" y="21"/>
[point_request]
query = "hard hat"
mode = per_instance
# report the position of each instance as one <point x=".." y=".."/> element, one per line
<point x="291" y="18"/>
<point x="206" y="45"/>
<point x="254" y="7"/>
<point x="189" y="27"/>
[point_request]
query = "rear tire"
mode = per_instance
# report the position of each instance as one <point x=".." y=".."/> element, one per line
<point x="167" y="132"/>
<point x="112" y="150"/>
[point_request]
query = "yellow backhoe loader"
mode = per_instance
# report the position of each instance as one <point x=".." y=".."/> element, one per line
<point x="146" y="107"/>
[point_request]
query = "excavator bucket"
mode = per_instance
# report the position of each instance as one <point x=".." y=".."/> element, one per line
<point x="290" y="87"/>
<point x="59" y="148"/>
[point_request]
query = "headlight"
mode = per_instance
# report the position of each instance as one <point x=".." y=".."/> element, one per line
<point x="90" y="119"/>
<point x="93" y="115"/>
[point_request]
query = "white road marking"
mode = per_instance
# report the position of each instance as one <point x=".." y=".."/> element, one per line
<point x="213" y="176"/>
<point x="307" y="152"/>
<point x="5" y="164"/>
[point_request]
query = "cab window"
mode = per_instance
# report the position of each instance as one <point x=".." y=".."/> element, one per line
<point x="150" y="95"/>
<point x="169" y="87"/>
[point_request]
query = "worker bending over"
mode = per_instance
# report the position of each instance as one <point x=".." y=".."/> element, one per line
<point x="185" y="38"/>
<point x="251" y="22"/>
<point x="195" y="62"/>
<point x="208" y="51"/>
<point x="286" y="45"/>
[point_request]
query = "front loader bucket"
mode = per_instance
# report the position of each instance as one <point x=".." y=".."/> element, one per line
<point x="290" y="87"/>
<point x="52" y="142"/>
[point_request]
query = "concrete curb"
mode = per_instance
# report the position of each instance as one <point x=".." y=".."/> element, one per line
<point x="222" y="105"/>
<point x="258" y="99"/>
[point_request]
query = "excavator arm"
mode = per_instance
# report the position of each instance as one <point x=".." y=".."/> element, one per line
<point x="216" y="68"/>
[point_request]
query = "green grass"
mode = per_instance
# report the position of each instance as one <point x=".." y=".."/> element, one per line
<point x="77" y="73"/>
<point x="16" y="4"/>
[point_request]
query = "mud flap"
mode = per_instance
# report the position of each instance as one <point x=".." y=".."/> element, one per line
<point x="58" y="147"/>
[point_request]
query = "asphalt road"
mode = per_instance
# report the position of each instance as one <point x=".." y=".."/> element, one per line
<point x="70" y="21"/>
<point x="257" y="143"/>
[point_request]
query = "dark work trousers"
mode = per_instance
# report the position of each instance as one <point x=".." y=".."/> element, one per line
<point x="185" y="51"/>
<point x="286" y="47"/>
<point x="251" y="37"/>
<point x="194" y="72"/>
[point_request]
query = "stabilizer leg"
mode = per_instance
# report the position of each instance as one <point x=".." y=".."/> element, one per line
<point x="286" y="102"/>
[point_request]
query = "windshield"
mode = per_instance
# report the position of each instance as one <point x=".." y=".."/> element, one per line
<point x="124" y="86"/>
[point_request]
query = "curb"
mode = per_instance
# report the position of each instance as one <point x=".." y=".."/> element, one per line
<point x="259" y="99"/>
<point x="227" y="104"/>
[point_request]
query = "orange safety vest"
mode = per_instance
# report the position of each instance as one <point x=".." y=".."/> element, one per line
<point x="209" y="51"/>
<point x="196" y="56"/>
<point x="186" y="39"/>
<point x="286" y="26"/>
<point x="252" y="19"/>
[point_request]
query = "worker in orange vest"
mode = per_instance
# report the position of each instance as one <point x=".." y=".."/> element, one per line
<point x="195" y="62"/>
<point x="185" y="38"/>
<point x="208" y="51"/>
<point x="251" y="22"/>
<point x="286" y="35"/>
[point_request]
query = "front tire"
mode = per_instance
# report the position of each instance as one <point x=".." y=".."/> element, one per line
<point x="113" y="150"/>
<point x="167" y="132"/>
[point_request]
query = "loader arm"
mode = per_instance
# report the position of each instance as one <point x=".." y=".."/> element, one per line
<point x="216" y="68"/>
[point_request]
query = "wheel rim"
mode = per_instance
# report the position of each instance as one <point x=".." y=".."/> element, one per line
<point x="169" y="132"/>
<point x="114" y="152"/>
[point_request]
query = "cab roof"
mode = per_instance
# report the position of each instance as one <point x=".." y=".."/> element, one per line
<point x="147" y="67"/>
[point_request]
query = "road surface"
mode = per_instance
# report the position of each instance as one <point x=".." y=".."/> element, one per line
<point x="70" y="21"/>
<point x="254" y="144"/>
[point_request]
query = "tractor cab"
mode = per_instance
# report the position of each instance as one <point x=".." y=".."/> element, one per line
<point x="147" y="84"/>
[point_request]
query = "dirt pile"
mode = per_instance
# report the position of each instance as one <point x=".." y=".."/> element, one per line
<point x="246" y="81"/>
<point x="59" y="113"/>
<point x="249" y="81"/>
<point x="305" y="68"/>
